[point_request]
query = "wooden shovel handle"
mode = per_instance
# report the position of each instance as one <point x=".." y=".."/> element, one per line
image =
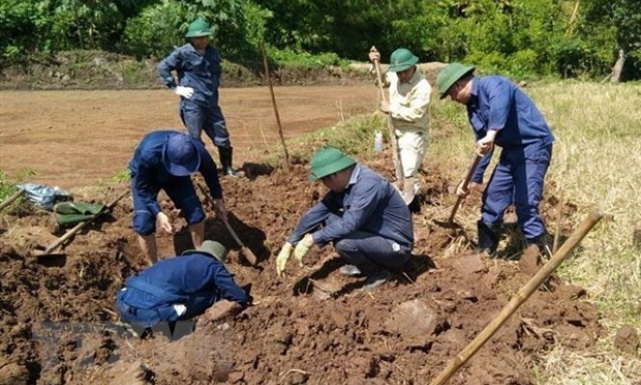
<point x="232" y="232"/>
<point x="12" y="198"/>
<point x="251" y="257"/>
<point x="466" y="182"/>
<point x="69" y="234"/>
<point x="398" y="166"/>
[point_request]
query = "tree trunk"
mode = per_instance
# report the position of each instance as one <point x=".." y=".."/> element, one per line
<point x="618" y="67"/>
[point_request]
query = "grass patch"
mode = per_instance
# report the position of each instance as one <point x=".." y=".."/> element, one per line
<point x="295" y="59"/>
<point x="8" y="187"/>
<point x="354" y="136"/>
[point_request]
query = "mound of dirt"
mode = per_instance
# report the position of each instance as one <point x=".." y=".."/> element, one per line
<point x="312" y="326"/>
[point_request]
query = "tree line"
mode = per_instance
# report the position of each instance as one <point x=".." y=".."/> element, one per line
<point x="592" y="39"/>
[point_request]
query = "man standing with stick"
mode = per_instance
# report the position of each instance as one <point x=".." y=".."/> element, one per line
<point x="409" y="97"/>
<point x="501" y="114"/>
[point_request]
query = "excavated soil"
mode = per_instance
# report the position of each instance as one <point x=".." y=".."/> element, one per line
<point x="312" y="326"/>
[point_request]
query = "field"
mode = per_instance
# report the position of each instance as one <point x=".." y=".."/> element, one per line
<point x="314" y="326"/>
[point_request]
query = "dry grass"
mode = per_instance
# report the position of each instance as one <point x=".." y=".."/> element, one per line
<point x="597" y="164"/>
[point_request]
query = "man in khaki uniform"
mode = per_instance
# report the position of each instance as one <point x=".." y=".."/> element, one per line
<point x="409" y="96"/>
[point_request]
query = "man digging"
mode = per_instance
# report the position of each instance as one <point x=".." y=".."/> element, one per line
<point x="165" y="160"/>
<point x="363" y="215"/>
<point x="181" y="288"/>
<point x="501" y="114"/>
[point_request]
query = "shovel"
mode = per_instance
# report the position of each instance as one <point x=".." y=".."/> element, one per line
<point x="70" y="234"/>
<point x="246" y="251"/>
<point x="466" y="182"/>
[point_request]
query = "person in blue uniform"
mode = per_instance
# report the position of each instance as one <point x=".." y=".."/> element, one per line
<point x="197" y="65"/>
<point x="501" y="114"/>
<point x="363" y="215"/>
<point x="165" y="160"/>
<point x="181" y="288"/>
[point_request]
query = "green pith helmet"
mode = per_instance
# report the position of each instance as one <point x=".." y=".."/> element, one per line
<point x="198" y="28"/>
<point x="450" y="75"/>
<point x="327" y="161"/>
<point x="401" y="60"/>
<point x="213" y="248"/>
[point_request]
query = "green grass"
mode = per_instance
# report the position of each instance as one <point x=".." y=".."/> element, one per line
<point x="8" y="187"/>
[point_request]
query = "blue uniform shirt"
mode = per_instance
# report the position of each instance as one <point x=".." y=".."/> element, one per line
<point x="195" y="280"/>
<point x="148" y="174"/>
<point x="369" y="203"/>
<point x="200" y="72"/>
<point x="498" y="104"/>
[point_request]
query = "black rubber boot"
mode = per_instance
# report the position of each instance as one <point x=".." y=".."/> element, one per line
<point x="542" y="242"/>
<point x="489" y="236"/>
<point x="225" y="154"/>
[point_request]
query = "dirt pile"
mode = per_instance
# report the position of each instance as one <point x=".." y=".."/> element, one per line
<point x="311" y="327"/>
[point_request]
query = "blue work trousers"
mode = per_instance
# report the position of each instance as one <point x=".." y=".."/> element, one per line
<point x="370" y="252"/>
<point x="129" y="300"/>
<point x="198" y="117"/>
<point x="518" y="177"/>
<point x="183" y="195"/>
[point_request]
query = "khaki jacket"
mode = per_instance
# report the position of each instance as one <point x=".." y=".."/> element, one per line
<point x="408" y="102"/>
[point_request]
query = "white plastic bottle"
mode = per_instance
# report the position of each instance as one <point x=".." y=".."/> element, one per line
<point x="378" y="142"/>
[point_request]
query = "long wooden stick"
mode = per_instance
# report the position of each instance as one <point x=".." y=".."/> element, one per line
<point x="246" y="251"/>
<point x="69" y="234"/>
<point x="523" y="294"/>
<point x="466" y="182"/>
<point x="557" y="233"/>
<point x="271" y="91"/>
<point x="398" y="167"/>
<point x="12" y="198"/>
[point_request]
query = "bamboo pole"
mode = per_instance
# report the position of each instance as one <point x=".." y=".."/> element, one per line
<point x="271" y="91"/>
<point x="12" y="198"/>
<point x="523" y="294"/>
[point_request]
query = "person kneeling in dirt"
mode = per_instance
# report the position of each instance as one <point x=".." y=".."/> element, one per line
<point x="363" y="215"/>
<point x="165" y="160"/>
<point x="181" y="288"/>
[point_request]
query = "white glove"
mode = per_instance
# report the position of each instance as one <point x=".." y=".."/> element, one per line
<point x="185" y="92"/>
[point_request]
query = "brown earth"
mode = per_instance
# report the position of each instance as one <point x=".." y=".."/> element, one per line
<point x="312" y="326"/>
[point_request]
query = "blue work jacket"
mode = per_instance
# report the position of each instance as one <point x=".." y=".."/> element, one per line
<point x="149" y="175"/>
<point x="195" y="280"/>
<point x="499" y="104"/>
<point x="369" y="203"/>
<point x="200" y="72"/>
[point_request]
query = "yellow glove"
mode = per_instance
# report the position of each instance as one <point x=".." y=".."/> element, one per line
<point x="303" y="247"/>
<point x="283" y="257"/>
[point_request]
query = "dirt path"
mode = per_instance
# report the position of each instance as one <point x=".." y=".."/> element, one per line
<point x="75" y="138"/>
